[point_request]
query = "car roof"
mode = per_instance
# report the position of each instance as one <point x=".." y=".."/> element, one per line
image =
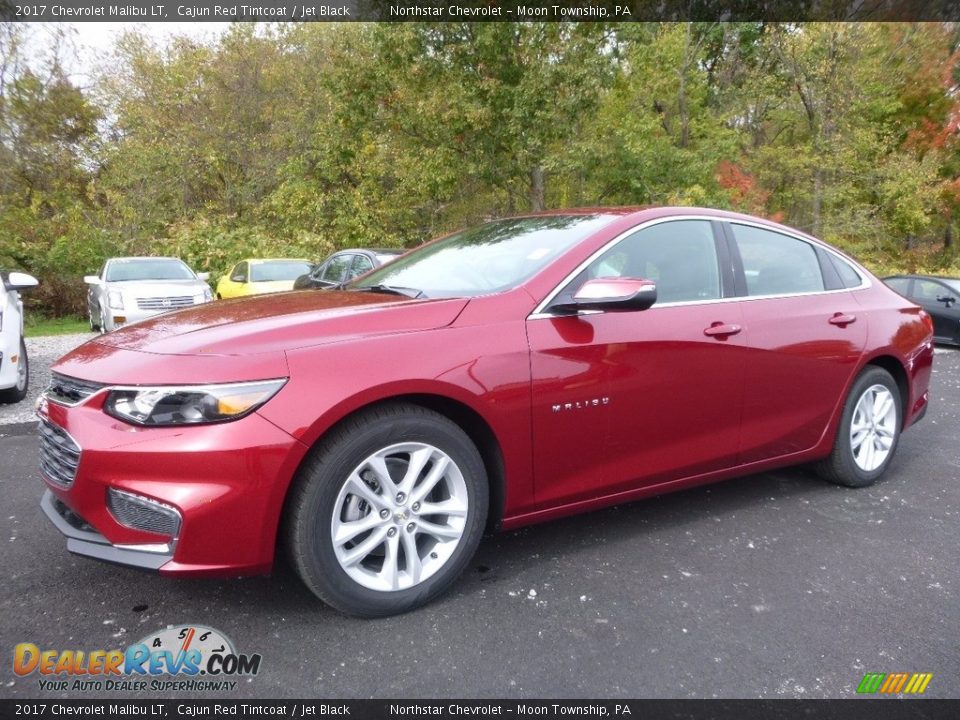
<point x="921" y="277"/>
<point x="145" y="257"/>
<point x="257" y="261"/>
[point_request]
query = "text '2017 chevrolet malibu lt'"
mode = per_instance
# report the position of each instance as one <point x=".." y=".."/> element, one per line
<point x="522" y="370"/>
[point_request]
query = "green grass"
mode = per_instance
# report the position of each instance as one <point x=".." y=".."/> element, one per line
<point x="38" y="326"/>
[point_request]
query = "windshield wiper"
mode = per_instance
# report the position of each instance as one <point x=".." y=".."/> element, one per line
<point x="392" y="289"/>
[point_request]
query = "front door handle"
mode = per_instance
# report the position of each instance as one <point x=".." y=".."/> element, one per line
<point x="842" y="319"/>
<point x="722" y="330"/>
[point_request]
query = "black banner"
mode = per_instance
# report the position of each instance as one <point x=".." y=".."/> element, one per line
<point x="477" y="10"/>
<point x="458" y="709"/>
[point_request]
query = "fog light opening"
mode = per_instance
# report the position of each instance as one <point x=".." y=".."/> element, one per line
<point x="141" y="513"/>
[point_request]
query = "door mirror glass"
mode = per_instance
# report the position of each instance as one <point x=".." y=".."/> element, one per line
<point x="613" y="293"/>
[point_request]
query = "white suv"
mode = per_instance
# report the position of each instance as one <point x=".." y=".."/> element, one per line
<point x="14" y="368"/>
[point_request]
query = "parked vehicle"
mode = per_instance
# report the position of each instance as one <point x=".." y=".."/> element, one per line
<point x="344" y="266"/>
<point x="939" y="296"/>
<point x="522" y="370"/>
<point x="256" y="276"/>
<point x="130" y="289"/>
<point x="14" y="364"/>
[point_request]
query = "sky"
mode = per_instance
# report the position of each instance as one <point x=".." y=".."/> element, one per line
<point x="93" y="41"/>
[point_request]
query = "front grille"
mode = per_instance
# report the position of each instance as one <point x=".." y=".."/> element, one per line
<point x="59" y="455"/>
<point x="70" y="391"/>
<point x="140" y="513"/>
<point x="165" y="303"/>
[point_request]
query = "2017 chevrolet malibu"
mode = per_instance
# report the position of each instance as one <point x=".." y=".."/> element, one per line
<point x="522" y="370"/>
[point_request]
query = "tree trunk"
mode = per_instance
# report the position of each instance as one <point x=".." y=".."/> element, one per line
<point x="948" y="234"/>
<point x="537" y="189"/>
<point x="817" y="199"/>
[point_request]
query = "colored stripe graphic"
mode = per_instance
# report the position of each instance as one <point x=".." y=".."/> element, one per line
<point x="894" y="683"/>
<point x="871" y="683"/>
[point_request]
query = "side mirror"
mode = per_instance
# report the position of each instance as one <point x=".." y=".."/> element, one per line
<point x="612" y="293"/>
<point x="91" y="279"/>
<point x="19" y="281"/>
<point x="947" y="300"/>
<point x="203" y="276"/>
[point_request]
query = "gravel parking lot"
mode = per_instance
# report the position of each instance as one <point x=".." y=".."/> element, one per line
<point x="775" y="585"/>
<point x="42" y="352"/>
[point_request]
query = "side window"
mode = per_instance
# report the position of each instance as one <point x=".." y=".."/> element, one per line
<point x="901" y="285"/>
<point x="777" y="264"/>
<point x="680" y="256"/>
<point x="850" y="277"/>
<point x="361" y="264"/>
<point x="239" y="273"/>
<point x="930" y="291"/>
<point x="336" y="268"/>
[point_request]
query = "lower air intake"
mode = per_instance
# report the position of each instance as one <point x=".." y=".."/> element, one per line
<point x="140" y="513"/>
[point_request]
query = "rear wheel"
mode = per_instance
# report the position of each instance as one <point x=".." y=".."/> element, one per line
<point x="388" y="511"/>
<point x="868" y="433"/>
<point x="19" y="391"/>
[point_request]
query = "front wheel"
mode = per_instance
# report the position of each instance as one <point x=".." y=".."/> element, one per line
<point x="19" y="391"/>
<point x="387" y="511"/>
<point x="868" y="433"/>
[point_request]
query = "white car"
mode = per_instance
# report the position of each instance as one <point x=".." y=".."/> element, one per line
<point x="130" y="289"/>
<point x="14" y="367"/>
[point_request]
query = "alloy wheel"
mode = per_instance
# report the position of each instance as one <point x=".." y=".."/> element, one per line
<point x="873" y="427"/>
<point x="399" y="516"/>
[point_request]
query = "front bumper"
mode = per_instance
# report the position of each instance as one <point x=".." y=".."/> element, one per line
<point x="227" y="482"/>
<point x="82" y="539"/>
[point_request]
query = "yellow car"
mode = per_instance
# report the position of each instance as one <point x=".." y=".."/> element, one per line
<point x="255" y="276"/>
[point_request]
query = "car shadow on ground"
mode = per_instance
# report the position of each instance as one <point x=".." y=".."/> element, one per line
<point x="507" y="559"/>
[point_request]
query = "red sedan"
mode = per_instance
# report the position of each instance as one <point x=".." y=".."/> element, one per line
<point x="522" y="370"/>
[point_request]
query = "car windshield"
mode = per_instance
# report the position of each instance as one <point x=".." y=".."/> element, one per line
<point x="149" y="269"/>
<point x="493" y="257"/>
<point x="278" y="270"/>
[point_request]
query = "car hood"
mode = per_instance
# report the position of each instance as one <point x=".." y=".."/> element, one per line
<point x="276" y="323"/>
<point x="157" y="288"/>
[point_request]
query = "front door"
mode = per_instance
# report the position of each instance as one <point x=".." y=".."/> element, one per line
<point x="626" y="399"/>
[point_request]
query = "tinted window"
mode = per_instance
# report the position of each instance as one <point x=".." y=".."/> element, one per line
<point x="278" y="270"/>
<point x="239" y="273"/>
<point x="901" y="285"/>
<point x="489" y="258"/>
<point x="159" y="269"/>
<point x="361" y="265"/>
<point x="336" y="268"/>
<point x="680" y="256"/>
<point x="929" y="291"/>
<point x="777" y="264"/>
<point x="850" y="277"/>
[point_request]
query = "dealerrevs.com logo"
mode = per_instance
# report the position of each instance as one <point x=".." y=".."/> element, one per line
<point x="184" y="657"/>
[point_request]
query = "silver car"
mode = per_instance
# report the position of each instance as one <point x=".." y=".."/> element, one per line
<point x="134" y="288"/>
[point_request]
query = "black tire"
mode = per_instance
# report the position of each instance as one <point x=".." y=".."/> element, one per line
<point x="16" y="394"/>
<point x="840" y="466"/>
<point x="310" y="506"/>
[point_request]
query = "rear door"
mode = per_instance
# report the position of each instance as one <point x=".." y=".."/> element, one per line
<point x="804" y="338"/>
<point x="942" y="304"/>
<point x="625" y="399"/>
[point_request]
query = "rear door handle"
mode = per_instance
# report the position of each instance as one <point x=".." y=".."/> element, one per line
<point x="842" y="319"/>
<point x="722" y="330"/>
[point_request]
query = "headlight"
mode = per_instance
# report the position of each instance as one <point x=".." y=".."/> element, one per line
<point x="115" y="300"/>
<point x="189" y="404"/>
<point x="207" y="294"/>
